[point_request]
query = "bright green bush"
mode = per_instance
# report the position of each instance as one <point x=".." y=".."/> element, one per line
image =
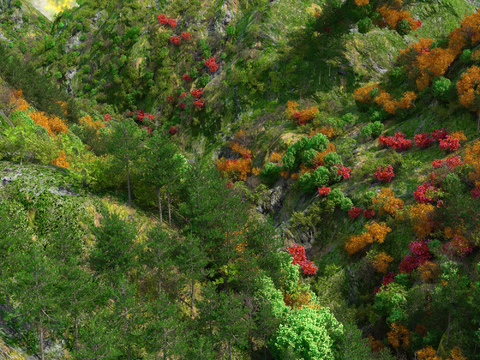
<point x="373" y="129"/>
<point x="466" y="56"/>
<point x="308" y="334"/>
<point x="441" y="88"/>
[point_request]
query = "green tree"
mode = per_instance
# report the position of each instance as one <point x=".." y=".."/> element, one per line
<point x="35" y="287"/>
<point x="113" y="253"/>
<point x="191" y="259"/>
<point x="31" y="142"/>
<point x="124" y="145"/>
<point x="162" y="166"/>
<point x="308" y="334"/>
<point x="215" y="214"/>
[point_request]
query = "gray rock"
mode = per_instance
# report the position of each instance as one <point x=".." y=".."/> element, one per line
<point x="62" y="191"/>
<point x="272" y="200"/>
<point x="6" y="180"/>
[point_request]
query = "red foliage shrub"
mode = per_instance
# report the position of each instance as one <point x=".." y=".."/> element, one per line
<point x="324" y="190"/>
<point x="299" y="257"/>
<point x="423" y="140"/>
<point x="384" y="174"/>
<point x="354" y="212"/>
<point x="398" y="142"/>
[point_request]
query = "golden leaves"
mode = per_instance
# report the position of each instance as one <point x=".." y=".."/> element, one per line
<point x="386" y="202"/>
<point x="362" y="94"/>
<point x="275" y="157"/>
<point x="381" y="261"/>
<point x="399" y="336"/>
<point x="421" y="216"/>
<point x="375" y="232"/>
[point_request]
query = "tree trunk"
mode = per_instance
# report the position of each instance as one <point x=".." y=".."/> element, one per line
<point x="159" y="277"/>
<point x="169" y="212"/>
<point x="42" y="351"/>
<point x="160" y="206"/>
<point x="230" y="348"/>
<point x="126" y="320"/>
<point x="76" y="325"/>
<point x="448" y="328"/>
<point x="128" y="186"/>
<point x="478" y="121"/>
<point x="192" y="298"/>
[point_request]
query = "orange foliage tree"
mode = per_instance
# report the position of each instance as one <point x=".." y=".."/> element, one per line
<point x="472" y="157"/>
<point x="53" y="124"/>
<point x="392" y="17"/>
<point x="469" y="91"/>
<point x="386" y="202"/>
<point x="375" y="232"/>
<point x="399" y="336"/>
<point x="301" y="116"/>
<point x="428" y="270"/>
<point x="381" y="261"/>
<point x="421" y="216"/>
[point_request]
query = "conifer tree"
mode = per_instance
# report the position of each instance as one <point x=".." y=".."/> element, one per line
<point x="163" y="166"/>
<point x="124" y="145"/>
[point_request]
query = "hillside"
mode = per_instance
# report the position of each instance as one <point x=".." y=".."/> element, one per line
<point x="240" y="180"/>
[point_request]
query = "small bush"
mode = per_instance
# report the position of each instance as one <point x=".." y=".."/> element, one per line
<point x="365" y="25"/>
<point x="270" y="173"/>
<point x="442" y="88"/>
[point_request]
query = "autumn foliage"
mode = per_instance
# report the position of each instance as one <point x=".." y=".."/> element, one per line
<point x="300" y="258"/>
<point x="381" y="261"/>
<point x="399" y="336"/>
<point x="301" y="116"/>
<point x="375" y="232"/>
<point x="386" y="202"/>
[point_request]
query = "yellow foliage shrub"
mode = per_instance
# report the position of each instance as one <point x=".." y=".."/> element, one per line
<point x="427" y="353"/>
<point x="362" y="94"/>
<point x="456" y="354"/>
<point x="459" y="135"/>
<point x="18" y="101"/>
<point x="375" y="232"/>
<point x="386" y="202"/>
<point x="275" y="157"/>
<point x="53" y="124"/>
<point x="291" y="107"/>
<point x="407" y="100"/>
<point x="399" y="336"/>
<point x="240" y="167"/>
<point x="421" y="216"/>
<point x="467" y="87"/>
<point x="472" y="157"/>
<point x="320" y="157"/>
<point x="375" y="345"/>
<point x="428" y="270"/>
<point x="61" y="161"/>
<point x="325" y="130"/>
<point x="361" y="2"/>
<point x="381" y="261"/>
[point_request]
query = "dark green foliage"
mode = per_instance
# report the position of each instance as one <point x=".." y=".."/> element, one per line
<point x="270" y="173"/>
<point x="36" y="88"/>
<point x="365" y="25"/>
<point x="403" y="27"/>
<point x="214" y="212"/>
<point x="113" y="252"/>
<point x="466" y="56"/>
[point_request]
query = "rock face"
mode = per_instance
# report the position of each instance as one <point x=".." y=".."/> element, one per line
<point x="273" y="200"/>
<point x="62" y="191"/>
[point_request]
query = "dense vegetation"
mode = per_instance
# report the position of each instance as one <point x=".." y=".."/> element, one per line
<point x="240" y="180"/>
